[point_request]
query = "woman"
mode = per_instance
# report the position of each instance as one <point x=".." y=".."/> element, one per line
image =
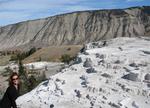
<point x="11" y="93"/>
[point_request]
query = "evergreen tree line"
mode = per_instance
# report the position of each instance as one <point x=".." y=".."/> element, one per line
<point x="22" y="55"/>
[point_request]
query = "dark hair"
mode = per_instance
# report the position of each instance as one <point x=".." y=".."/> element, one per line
<point x="11" y="78"/>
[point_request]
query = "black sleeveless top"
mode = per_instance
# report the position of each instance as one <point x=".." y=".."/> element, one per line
<point x="8" y="100"/>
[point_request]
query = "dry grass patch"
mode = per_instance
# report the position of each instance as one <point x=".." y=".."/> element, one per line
<point x="4" y="60"/>
<point x="53" y="53"/>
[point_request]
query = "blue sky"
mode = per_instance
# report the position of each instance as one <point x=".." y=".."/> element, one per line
<point x="13" y="11"/>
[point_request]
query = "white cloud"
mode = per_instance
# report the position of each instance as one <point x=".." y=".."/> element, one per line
<point x="32" y="9"/>
<point x="77" y="8"/>
<point x="35" y="4"/>
<point x="134" y="0"/>
<point x="18" y="10"/>
<point x="12" y="17"/>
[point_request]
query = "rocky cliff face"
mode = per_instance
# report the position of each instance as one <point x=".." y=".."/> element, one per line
<point x="77" y="28"/>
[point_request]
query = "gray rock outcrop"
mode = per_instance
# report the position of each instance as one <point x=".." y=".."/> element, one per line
<point x="147" y="77"/>
<point x="131" y="76"/>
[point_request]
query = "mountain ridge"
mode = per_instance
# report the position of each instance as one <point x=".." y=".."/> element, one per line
<point x="61" y="14"/>
<point x="76" y="28"/>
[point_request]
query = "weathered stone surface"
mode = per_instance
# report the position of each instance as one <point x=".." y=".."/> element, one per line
<point x="77" y="28"/>
<point x="147" y="77"/>
<point x="131" y="76"/>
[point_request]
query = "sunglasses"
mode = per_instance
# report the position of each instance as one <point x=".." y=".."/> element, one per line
<point x="15" y="79"/>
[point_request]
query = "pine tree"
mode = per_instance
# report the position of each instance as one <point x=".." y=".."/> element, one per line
<point x="24" y="87"/>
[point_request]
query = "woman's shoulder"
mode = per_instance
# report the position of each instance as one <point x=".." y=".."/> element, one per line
<point x="10" y="88"/>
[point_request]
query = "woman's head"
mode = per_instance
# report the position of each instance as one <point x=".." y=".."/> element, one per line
<point x="14" y="79"/>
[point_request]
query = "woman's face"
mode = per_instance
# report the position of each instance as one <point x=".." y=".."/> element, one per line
<point x="15" y="80"/>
